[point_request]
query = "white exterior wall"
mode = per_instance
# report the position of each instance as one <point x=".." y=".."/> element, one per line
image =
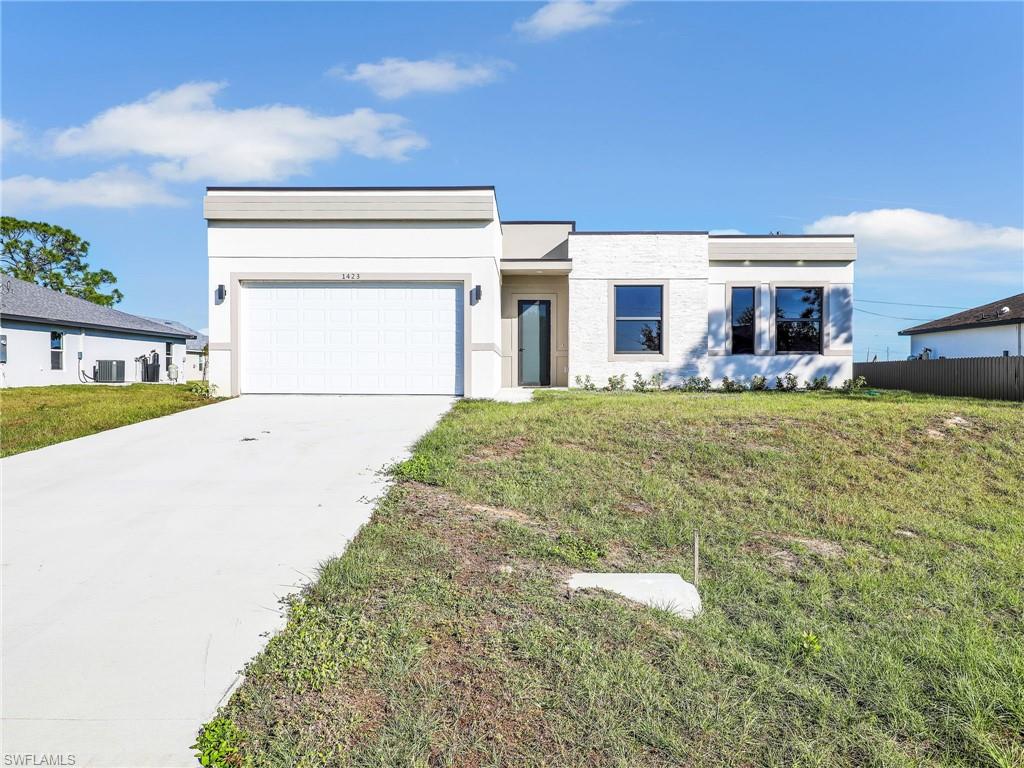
<point x="598" y="261"/>
<point x="28" y="354"/>
<point x="192" y="371"/>
<point x="837" y="323"/>
<point x="989" y="341"/>
<point x="413" y="250"/>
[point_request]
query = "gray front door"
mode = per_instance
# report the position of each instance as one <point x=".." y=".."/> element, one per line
<point x="534" y="343"/>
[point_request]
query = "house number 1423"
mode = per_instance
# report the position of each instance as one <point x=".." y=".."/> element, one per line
<point x="349" y="275"/>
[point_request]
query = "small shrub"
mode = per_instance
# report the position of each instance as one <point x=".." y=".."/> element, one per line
<point x="585" y="382"/>
<point x="217" y="745"/>
<point x="820" y="383"/>
<point x="657" y="380"/>
<point x="616" y="383"/>
<point x="787" y="383"/>
<point x="758" y="383"/>
<point x="696" y="384"/>
<point x="640" y="384"/>
<point x="202" y="389"/>
<point x="853" y="385"/>
<point x="732" y="385"/>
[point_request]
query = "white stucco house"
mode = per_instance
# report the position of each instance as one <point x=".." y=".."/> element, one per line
<point x="995" y="329"/>
<point x="428" y="290"/>
<point x="48" y="337"/>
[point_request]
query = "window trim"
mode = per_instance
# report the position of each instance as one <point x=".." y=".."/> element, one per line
<point x="60" y="350"/>
<point x="758" y="350"/>
<point x="619" y="357"/>
<point x="823" y="340"/>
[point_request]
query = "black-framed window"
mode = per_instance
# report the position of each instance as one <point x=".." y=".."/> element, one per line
<point x="638" y="319"/>
<point x="742" y="310"/>
<point x="168" y="354"/>
<point x="798" y="313"/>
<point x="56" y="351"/>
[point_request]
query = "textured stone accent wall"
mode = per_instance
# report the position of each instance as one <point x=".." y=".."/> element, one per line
<point x="597" y="261"/>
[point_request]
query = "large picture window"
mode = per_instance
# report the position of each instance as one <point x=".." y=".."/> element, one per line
<point x="56" y="351"/>
<point x="798" y="314"/>
<point x="742" y="302"/>
<point x="638" y="319"/>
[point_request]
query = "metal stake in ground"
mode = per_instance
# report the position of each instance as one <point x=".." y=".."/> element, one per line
<point x="696" y="558"/>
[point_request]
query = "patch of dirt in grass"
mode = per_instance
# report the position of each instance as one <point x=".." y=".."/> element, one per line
<point x="505" y="449"/>
<point x="935" y="434"/>
<point x="788" y="560"/>
<point x="906" y="534"/>
<point x="956" y="421"/>
<point x="500" y="513"/>
<point x="819" y="547"/>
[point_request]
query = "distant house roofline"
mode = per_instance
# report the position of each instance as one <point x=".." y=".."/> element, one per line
<point x="983" y="316"/>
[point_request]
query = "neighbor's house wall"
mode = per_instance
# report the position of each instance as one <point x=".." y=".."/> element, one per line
<point x="599" y="261"/>
<point x="28" y="354"/>
<point x="554" y="288"/>
<point x="192" y="370"/>
<point x="989" y="341"/>
<point x="835" y="277"/>
<point x="378" y="250"/>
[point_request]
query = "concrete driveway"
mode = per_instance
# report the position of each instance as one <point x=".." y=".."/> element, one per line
<point x="141" y="566"/>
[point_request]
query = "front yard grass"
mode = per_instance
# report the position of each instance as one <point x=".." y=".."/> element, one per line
<point x="34" y="417"/>
<point x="862" y="563"/>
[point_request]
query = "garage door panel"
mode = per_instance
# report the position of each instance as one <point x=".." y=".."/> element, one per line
<point x="352" y="338"/>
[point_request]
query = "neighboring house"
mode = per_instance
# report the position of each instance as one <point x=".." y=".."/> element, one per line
<point x="195" y="351"/>
<point x="47" y="337"/>
<point x="426" y="290"/>
<point x="991" y="330"/>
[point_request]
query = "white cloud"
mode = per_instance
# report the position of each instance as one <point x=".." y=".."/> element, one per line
<point x="119" y="188"/>
<point x="393" y="78"/>
<point x="907" y="229"/>
<point x="563" y="16"/>
<point x="10" y="133"/>
<point x="195" y="139"/>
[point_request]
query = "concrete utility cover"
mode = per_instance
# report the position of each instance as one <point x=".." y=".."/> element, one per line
<point x="659" y="590"/>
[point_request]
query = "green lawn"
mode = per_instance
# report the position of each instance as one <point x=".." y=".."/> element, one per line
<point x="34" y="417"/>
<point x="862" y="563"/>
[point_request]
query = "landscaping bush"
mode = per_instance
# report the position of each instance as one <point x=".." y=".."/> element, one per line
<point x="787" y="383"/>
<point x="696" y="384"/>
<point x="585" y="382"/>
<point x="853" y="385"/>
<point x="732" y="385"/>
<point x="820" y="383"/>
<point x="758" y="383"/>
<point x="616" y="383"/>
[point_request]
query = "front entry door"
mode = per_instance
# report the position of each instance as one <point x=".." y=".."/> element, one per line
<point x="534" y="343"/>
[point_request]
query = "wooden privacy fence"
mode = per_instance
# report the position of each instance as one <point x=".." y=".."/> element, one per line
<point x="997" y="378"/>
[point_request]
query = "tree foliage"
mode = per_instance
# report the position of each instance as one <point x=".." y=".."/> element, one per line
<point x="54" y="257"/>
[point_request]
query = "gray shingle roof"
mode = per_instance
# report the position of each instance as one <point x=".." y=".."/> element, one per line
<point x="976" y="317"/>
<point x="192" y="345"/>
<point x="20" y="300"/>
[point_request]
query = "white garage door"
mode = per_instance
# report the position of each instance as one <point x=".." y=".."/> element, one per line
<point x="365" y="338"/>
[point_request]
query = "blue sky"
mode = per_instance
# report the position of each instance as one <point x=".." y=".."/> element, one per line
<point x="901" y="122"/>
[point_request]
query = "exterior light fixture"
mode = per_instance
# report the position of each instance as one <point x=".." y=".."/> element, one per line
<point x="475" y="295"/>
<point x="221" y="294"/>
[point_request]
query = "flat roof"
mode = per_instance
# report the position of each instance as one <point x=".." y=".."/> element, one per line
<point x="771" y="236"/>
<point x="352" y="189"/>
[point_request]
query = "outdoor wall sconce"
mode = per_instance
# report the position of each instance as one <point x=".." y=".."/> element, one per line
<point x="475" y="295"/>
<point x="221" y="294"/>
